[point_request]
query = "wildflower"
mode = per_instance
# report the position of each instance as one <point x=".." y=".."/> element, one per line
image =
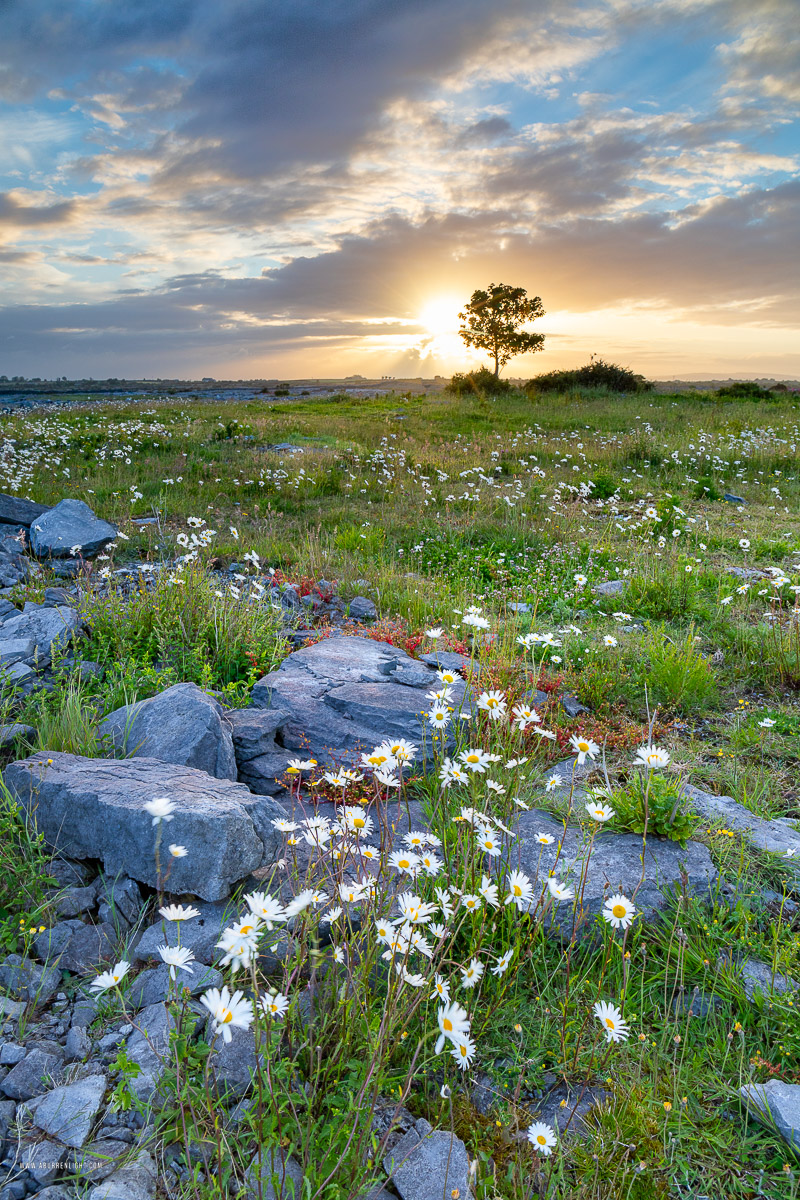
<point x="545" y="733"/>
<point x="447" y="677"/>
<point x="178" y="851"/>
<point x="274" y="1005"/>
<point x="767" y="723"/>
<point x="652" y="757"/>
<point x="161" y="808"/>
<point x="560" y="891"/>
<point x="176" y="957"/>
<point x="386" y="779"/>
<point x="619" y="911"/>
<point x="489" y="892"/>
<point x="384" y="931"/>
<point x="378" y="758"/>
<point x="445" y="903"/>
<point x="239" y="951"/>
<point x="580" y="580"/>
<point x="356" y="821"/>
<point x="470" y="902"/>
<point x="520" y="891"/>
<point x="414" y="909"/>
<point x="441" y="989"/>
<point x="608" y="640"/>
<point x="439" y="717"/>
<point x="299" y="903"/>
<point x="493" y="786"/>
<point x="403" y="860"/>
<point x="414" y="980"/>
<point x="338" y="954"/>
<point x="284" y="826"/>
<point x="474" y="618"/>
<point x="475" y="760"/>
<point x="544" y="839"/>
<point x="744" y="543"/>
<point x="265" y="908"/>
<point x="453" y="1022"/>
<point x="402" y="750"/>
<point x="434" y="633"/>
<point x="430" y="864"/>
<point x="549" y="639"/>
<point x="463" y="1051"/>
<point x="542" y="1137"/>
<point x="352" y="893"/>
<point x="297" y="765"/>
<point x="333" y="914"/>
<point x="610" y="1017"/>
<point x="493" y="704"/>
<point x="179" y="912"/>
<point x="471" y="974"/>
<point x="112" y="978"/>
<point x="488" y="843"/>
<point x="502" y="963"/>
<point x="583" y="746"/>
<point x="651" y="512"/>
<point x="726" y="599"/>
<point x="599" y="812"/>
<point x="227" y="1011"/>
<point x="438" y="930"/>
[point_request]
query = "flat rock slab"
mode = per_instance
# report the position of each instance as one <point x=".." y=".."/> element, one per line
<point x="778" y="835"/>
<point x="136" y="1180"/>
<point x="200" y="934"/>
<point x="776" y="1105"/>
<point x="16" y="511"/>
<point x="32" y="1076"/>
<point x="68" y="529"/>
<point x="565" y="1108"/>
<point x="73" y="946"/>
<point x="346" y="694"/>
<point x="155" y="986"/>
<point x="11" y="733"/>
<point x="181" y="725"/>
<point x="615" y="864"/>
<point x="427" y="1164"/>
<point x="67" y="1112"/>
<point x="148" y="1046"/>
<point x="94" y="808"/>
<point x="33" y="983"/>
<point x="45" y="626"/>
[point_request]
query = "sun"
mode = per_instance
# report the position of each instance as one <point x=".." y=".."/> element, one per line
<point x="440" y="315"/>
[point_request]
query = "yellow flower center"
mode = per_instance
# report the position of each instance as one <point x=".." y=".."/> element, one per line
<point x="517" y="890"/>
<point x="448" y="1025"/>
<point x="359" y="823"/>
<point x="463" y="1051"/>
<point x="610" y="1023"/>
<point x="541" y="1139"/>
<point x="227" y="1016"/>
<point x="583" y="745"/>
<point x="618" y="910"/>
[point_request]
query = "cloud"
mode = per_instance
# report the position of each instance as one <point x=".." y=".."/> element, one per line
<point x="15" y="214"/>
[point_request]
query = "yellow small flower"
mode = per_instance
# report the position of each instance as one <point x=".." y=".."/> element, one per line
<point x="667" y="1106"/>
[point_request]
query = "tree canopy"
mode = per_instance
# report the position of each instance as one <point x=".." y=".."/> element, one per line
<point x="493" y="320"/>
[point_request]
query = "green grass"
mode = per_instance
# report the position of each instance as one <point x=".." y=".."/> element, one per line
<point x="496" y="502"/>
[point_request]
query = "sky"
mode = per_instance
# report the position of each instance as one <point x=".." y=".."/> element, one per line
<point x="310" y="188"/>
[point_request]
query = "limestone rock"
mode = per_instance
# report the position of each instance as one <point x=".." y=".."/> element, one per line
<point x="43" y="625"/>
<point x="778" y="835"/>
<point x="67" y="1112"/>
<point x="148" y="1046"/>
<point x="428" y="1163"/>
<point x="94" y="808"/>
<point x="28" y="980"/>
<point x="181" y="725"/>
<point x="274" y="1163"/>
<point x="72" y="946"/>
<point x="136" y="1180"/>
<point x="777" y="1105"/>
<point x="199" y="935"/>
<point x="70" y="524"/>
<point x="344" y="695"/>
<point x="31" y="1077"/>
<point x="615" y="864"/>
<point x="16" y="511"/>
<point x="153" y="986"/>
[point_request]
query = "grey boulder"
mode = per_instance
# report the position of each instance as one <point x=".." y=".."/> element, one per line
<point x="616" y="863"/>
<point x="274" y="1164"/>
<point x="427" y="1164"/>
<point x="32" y="1076"/>
<point x="199" y="934"/>
<point x="181" y="725"/>
<point x="154" y="985"/>
<point x="43" y="625"/>
<point x="148" y="1046"/>
<point x="778" y="835"/>
<point x="777" y="1105"/>
<point x="11" y="733"/>
<point x="136" y="1180"/>
<point x="613" y="587"/>
<point x="95" y="808"/>
<point x="16" y="511"/>
<point x="346" y="694"/>
<point x="28" y="980"/>
<point x="67" y="1112"/>
<point x="72" y="946"/>
<point x="361" y="608"/>
<point x="70" y="528"/>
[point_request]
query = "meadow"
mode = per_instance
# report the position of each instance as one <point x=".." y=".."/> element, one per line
<point x="484" y="526"/>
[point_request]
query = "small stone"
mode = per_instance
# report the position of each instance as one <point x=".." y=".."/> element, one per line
<point x="572" y="706"/>
<point x="777" y="1105"/>
<point x="30" y="981"/>
<point x="11" y="1008"/>
<point x="75" y="900"/>
<point x="613" y="587"/>
<point x="362" y="609"/>
<point x="732" y="498"/>
<point x="759" y="976"/>
<point x="84" y="1013"/>
<point x="148" y="1046"/>
<point x="31" y="1077"/>
<point x="73" y="946"/>
<point x="427" y="1164"/>
<point x="274" y="1163"/>
<point x="67" y="1112"/>
<point x="12" y="733"/>
<point x="134" y="1181"/>
<point x="78" y="1045"/>
<point x="11" y="1054"/>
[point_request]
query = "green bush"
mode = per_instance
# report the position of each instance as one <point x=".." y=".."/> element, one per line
<point x="655" y="803"/>
<point x="596" y="373"/>
<point x="479" y="383"/>
<point x="743" y="389"/>
<point x="676" y="673"/>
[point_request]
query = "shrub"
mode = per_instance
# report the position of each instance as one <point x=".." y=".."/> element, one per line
<point x="596" y="373"/>
<point x="743" y="389"/>
<point x="676" y="673"/>
<point x="655" y="803"/>
<point x="479" y="383"/>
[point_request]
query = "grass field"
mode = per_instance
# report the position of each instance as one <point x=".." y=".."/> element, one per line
<point x="430" y="505"/>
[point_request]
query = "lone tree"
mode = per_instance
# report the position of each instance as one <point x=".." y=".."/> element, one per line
<point x="493" y="319"/>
